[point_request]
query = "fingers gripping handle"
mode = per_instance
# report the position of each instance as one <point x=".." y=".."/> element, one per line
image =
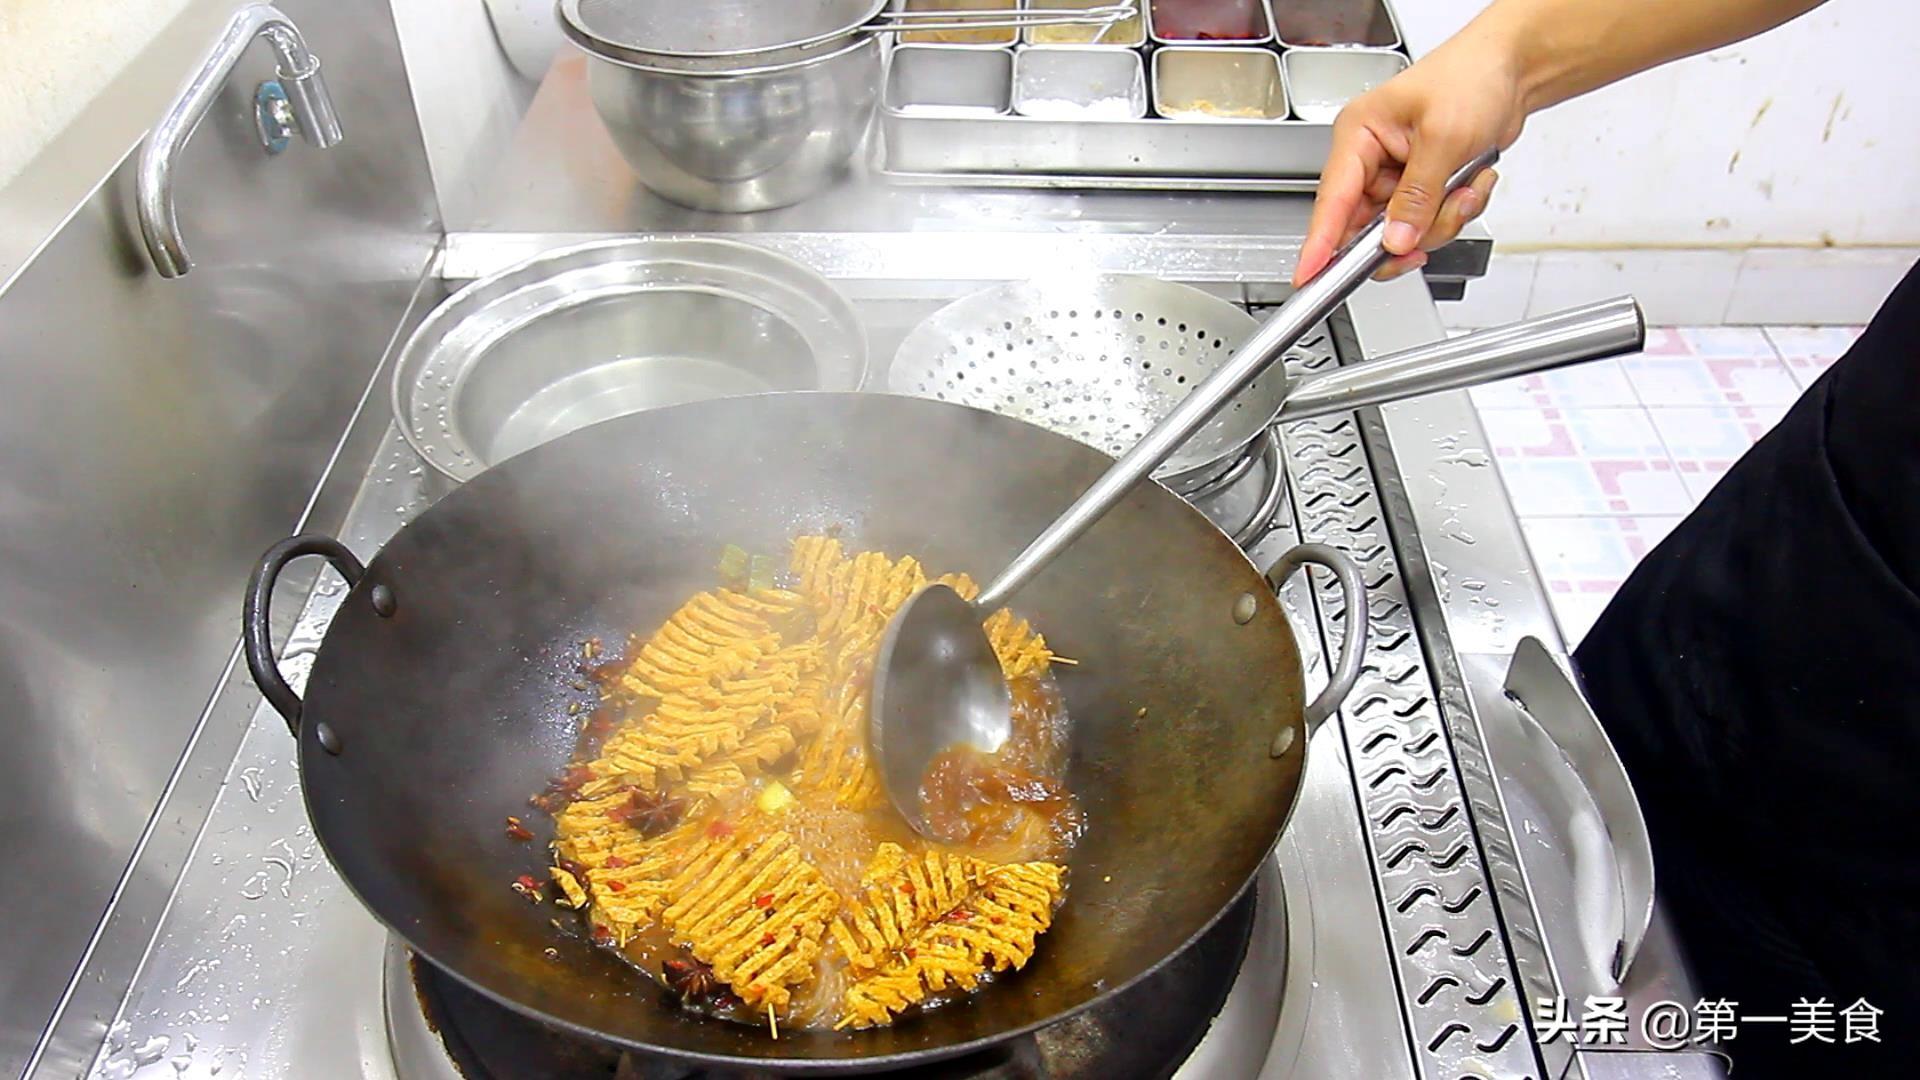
<point x="1366" y="253"/>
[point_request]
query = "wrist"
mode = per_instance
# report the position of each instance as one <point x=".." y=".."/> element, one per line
<point x="1508" y="40"/>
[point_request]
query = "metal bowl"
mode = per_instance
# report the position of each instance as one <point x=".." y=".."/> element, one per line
<point x="587" y="333"/>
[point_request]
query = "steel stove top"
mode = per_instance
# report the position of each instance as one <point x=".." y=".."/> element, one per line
<point x="1395" y="933"/>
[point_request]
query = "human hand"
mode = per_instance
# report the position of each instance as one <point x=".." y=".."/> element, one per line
<point x="1397" y="145"/>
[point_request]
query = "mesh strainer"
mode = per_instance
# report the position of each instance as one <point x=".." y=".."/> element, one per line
<point x="1100" y="359"/>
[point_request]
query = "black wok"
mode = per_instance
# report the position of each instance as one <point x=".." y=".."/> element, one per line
<point x="438" y="701"/>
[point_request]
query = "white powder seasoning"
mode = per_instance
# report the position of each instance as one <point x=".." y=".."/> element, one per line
<point x="1115" y="107"/>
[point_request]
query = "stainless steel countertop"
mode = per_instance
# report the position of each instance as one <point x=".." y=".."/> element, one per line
<point x="563" y="179"/>
<point x="264" y="963"/>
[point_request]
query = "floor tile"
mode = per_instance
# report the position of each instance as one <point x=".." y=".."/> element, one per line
<point x="1583" y="560"/>
<point x="1734" y="342"/>
<point x="1711" y="380"/>
<point x="1564" y="433"/>
<point x="1810" y="350"/>
<point x="1705" y="442"/>
<point x="1595" y="384"/>
<point x="1583" y="461"/>
<point x="1576" y="612"/>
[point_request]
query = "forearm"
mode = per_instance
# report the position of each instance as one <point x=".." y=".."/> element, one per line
<point x="1564" y="48"/>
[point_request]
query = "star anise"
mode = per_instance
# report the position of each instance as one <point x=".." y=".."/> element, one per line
<point x="691" y="980"/>
<point x="651" y="812"/>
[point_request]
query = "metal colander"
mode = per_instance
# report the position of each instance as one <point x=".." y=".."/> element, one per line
<point x="1100" y="359"/>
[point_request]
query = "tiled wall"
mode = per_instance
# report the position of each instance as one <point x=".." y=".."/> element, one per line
<point x="1732" y="286"/>
<point x="1603" y="459"/>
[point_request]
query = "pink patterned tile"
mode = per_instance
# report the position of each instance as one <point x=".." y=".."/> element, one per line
<point x="1711" y="380"/>
<point x="1582" y="551"/>
<point x="1576" y="612"/>
<point x="1596" y="384"/>
<point x="1583" y="560"/>
<point x="1583" y="461"/>
<point x="1810" y="350"/>
<point x="1730" y="342"/>
<point x="1571" y="433"/>
<point x="1705" y="442"/>
<point x="1666" y="341"/>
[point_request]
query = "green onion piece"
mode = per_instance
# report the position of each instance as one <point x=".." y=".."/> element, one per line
<point x="762" y="573"/>
<point x="735" y="566"/>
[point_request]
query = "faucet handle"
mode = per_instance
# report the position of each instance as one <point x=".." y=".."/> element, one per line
<point x="307" y="97"/>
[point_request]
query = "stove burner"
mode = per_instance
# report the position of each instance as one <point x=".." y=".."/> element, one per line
<point x="1148" y="1031"/>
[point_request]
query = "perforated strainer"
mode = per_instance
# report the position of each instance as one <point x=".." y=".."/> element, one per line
<point x="1099" y="358"/>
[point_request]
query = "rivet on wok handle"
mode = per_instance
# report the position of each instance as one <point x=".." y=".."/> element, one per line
<point x="257" y="622"/>
<point x="1353" y="592"/>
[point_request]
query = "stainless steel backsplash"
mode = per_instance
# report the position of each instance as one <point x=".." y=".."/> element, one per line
<point x="155" y="436"/>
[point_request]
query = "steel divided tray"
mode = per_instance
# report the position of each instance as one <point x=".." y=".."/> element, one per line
<point x="1194" y="94"/>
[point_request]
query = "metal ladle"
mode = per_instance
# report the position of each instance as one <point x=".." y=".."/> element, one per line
<point x="937" y="683"/>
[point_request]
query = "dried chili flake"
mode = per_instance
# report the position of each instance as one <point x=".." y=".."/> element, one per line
<point x="997" y="920"/>
<point x="913" y="954"/>
<point x="528" y="886"/>
<point x="518" y="831"/>
<point x="764" y="900"/>
<point x="601" y="935"/>
<point x="615" y="862"/>
<point x="767" y="939"/>
<point x="957" y="916"/>
<point x="615" y="886"/>
<point x="719" y="829"/>
<point x="907" y="887"/>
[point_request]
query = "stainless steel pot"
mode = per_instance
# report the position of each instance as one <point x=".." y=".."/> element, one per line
<point x="744" y="105"/>
<point x="740" y="140"/>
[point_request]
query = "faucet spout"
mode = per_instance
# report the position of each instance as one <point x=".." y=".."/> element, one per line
<point x="299" y="74"/>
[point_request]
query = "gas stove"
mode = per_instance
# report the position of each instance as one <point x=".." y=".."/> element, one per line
<point x="1402" y="928"/>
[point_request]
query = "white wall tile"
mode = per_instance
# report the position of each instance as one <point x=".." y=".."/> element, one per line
<point x="1816" y="286"/>
<point x="1498" y="298"/>
<point x="1688" y="288"/>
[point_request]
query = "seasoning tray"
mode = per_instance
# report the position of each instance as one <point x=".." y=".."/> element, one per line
<point x="1188" y="95"/>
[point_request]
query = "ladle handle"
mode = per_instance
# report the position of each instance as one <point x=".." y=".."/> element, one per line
<point x="1304" y="310"/>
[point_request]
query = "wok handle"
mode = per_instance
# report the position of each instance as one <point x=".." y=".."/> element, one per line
<point x="1353" y="650"/>
<point x="256" y="622"/>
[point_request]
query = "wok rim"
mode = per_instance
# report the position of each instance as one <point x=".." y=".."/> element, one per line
<point x="822" y="1065"/>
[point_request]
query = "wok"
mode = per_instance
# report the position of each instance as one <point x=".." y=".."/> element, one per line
<point x="438" y="700"/>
